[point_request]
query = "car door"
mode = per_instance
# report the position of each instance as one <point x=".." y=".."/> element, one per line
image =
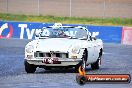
<point x="91" y="49"/>
<point x="95" y="53"/>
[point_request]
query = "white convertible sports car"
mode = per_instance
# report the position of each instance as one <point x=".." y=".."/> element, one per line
<point x="60" y="46"/>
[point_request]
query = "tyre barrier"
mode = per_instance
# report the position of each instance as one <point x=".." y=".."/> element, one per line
<point x="26" y="30"/>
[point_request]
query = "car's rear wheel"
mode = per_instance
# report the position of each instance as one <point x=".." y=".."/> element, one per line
<point x="83" y="62"/>
<point x="29" y="68"/>
<point x="95" y="65"/>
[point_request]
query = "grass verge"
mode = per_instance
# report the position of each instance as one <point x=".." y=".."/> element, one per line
<point x="69" y="20"/>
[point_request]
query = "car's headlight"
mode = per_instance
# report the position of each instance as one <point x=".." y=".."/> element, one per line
<point x="29" y="49"/>
<point x="75" y="50"/>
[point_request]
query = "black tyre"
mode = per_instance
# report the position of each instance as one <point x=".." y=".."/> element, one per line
<point x="29" y="68"/>
<point x="95" y="65"/>
<point x="77" y="67"/>
<point x="83" y="62"/>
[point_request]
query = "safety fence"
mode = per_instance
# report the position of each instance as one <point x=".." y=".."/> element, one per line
<point x="69" y="8"/>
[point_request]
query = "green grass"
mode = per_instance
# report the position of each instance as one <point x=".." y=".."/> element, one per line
<point x="69" y="20"/>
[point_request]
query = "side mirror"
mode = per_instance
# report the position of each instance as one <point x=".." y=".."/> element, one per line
<point x="94" y="34"/>
<point x="37" y="34"/>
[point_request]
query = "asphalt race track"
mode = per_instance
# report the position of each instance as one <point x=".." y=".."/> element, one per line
<point x="117" y="59"/>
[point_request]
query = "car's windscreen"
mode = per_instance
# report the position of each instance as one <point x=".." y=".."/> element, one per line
<point x="64" y="33"/>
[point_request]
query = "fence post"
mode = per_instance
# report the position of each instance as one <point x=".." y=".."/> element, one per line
<point x="70" y="8"/>
<point x="6" y="6"/>
<point x="104" y="8"/>
<point x="38" y="7"/>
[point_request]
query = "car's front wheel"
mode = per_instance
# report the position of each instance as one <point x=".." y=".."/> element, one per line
<point x="29" y="68"/>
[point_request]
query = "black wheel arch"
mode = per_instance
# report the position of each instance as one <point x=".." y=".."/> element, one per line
<point x="86" y="53"/>
<point x="101" y="52"/>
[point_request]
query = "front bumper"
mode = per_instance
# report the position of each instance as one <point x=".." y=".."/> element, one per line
<point x="66" y="62"/>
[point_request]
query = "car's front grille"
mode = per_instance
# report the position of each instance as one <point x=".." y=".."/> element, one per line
<point x="50" y="54"/>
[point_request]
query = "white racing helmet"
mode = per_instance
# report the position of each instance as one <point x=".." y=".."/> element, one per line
<point x="57" y="25"/>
